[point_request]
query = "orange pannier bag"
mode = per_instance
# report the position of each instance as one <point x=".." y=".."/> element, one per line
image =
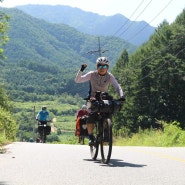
<point x="77" y="131"/>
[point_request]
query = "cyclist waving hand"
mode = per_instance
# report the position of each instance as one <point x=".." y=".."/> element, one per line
<point x="100" y="80"/>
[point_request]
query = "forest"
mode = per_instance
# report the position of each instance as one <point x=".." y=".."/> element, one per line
<point x="152" y="77"/>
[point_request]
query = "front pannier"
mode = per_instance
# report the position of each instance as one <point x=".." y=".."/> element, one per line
<point x="106" y="106"/>
<point x="47" y="129"/>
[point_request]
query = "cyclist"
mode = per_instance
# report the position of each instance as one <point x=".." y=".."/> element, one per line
<point x="100" y="80"/>
<point x="80" y="113"/>
<point x="43" y="117"/>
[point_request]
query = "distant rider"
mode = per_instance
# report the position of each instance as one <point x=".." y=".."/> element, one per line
<point x="42" y="118"/>
<point x="43" y="115"/>
<point x="80" y="113"/>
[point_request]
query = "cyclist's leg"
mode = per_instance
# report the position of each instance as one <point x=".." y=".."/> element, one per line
<point x="90" y="126"/>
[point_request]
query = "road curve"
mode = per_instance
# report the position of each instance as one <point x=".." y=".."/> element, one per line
<point x="60" y="164"/>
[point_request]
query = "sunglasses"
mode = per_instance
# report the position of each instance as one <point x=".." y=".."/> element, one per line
<point x="102" y="67"/>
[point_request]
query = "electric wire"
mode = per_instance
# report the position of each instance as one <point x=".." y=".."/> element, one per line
<point x="128" y="18"/>
<point x="135" y="18"/>
<point x="157" y="69"/>
<point x="150" y="21"/>
<point x="165" y="48"/>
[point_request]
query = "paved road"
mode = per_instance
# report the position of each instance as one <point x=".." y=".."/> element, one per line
<point x="54" y="164"/>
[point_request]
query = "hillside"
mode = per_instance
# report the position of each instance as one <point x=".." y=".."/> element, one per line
<point x="51" y="52"/>
<point x="39" y="41"/>
<point x="135" y="32"/>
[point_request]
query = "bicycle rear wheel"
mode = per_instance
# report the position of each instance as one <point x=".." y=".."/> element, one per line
<point x="106" y="143"/>
<point x="43" y="135"/>
<point x="95" y="147"/>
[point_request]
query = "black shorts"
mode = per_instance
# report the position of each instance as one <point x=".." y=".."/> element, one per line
<point x="92" y="117"/>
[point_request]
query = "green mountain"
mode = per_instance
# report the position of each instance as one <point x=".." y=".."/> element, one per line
<point x="44" y="57"/>
<point x="135" y="32"/>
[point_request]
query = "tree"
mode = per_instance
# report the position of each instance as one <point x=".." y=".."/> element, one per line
<point x="7" y="123"/>
<point x="153" y="80"/>
<point x="4" y="26"/>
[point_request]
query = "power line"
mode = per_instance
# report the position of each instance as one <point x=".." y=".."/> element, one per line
<point x="150" y="21"/>
<point x="161" y="65"/>
<point x="136" y="18"/>
<point x="128" y="18"/>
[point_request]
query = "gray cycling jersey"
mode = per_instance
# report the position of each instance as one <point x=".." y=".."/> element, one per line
<point x="98" y="82"/>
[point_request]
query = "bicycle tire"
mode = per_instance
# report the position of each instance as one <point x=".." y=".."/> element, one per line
<point x="44" y="138"/>
<point x="82" y="140"/>
<point x="94" y="148"/>
<point x="106" y="145"/>
<point x="43" y="135"/>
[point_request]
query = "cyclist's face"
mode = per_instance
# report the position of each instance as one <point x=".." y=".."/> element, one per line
<point x="102" y="69"/>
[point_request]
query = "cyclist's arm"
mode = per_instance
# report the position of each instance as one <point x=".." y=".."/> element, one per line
<point x="38" y="116"/>
<point x="82" y="78"/>
<point x="47" y="117"/>
<point x="116" y="85"/>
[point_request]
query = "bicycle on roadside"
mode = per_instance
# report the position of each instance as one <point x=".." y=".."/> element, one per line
<point x="105" y="106"/>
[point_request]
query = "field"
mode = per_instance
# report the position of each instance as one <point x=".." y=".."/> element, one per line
<point x="64" y="126"/>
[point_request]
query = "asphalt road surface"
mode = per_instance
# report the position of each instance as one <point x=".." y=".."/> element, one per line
<point x="58" y="164"/>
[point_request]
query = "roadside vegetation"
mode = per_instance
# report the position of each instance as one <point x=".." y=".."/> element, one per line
<point x="169" y="135"/>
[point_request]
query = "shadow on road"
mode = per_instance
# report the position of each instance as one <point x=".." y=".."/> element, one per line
<point x="117" y="163"/>
<point x="121" y="163"/>
<point x="3" y="183"/>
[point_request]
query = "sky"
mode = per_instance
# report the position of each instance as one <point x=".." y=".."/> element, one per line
<point x="151" y="11"/>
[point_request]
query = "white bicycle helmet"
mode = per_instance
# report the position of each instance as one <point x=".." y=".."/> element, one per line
<point x="102" y="61"/>
<point x="44" y="107"/>
<point x="84" y="107"/>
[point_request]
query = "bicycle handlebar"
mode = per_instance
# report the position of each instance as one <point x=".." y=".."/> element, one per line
<point x="44" y="121"/>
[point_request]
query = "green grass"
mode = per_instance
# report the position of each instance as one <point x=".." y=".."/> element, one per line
<point x="66" y="123"/>
<point x="172" y="136"/>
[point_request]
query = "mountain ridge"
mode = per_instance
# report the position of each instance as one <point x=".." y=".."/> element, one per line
<point x="135" y="32"/>
<point x="54" y="41"/>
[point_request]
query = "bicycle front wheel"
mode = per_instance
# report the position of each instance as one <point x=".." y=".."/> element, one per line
<point x="106" y="143"/>
<point x="95" y="147"/>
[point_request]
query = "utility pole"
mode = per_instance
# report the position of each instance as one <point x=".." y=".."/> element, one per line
<point x="99" y="51"/>
<point x="34" y="122"/>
